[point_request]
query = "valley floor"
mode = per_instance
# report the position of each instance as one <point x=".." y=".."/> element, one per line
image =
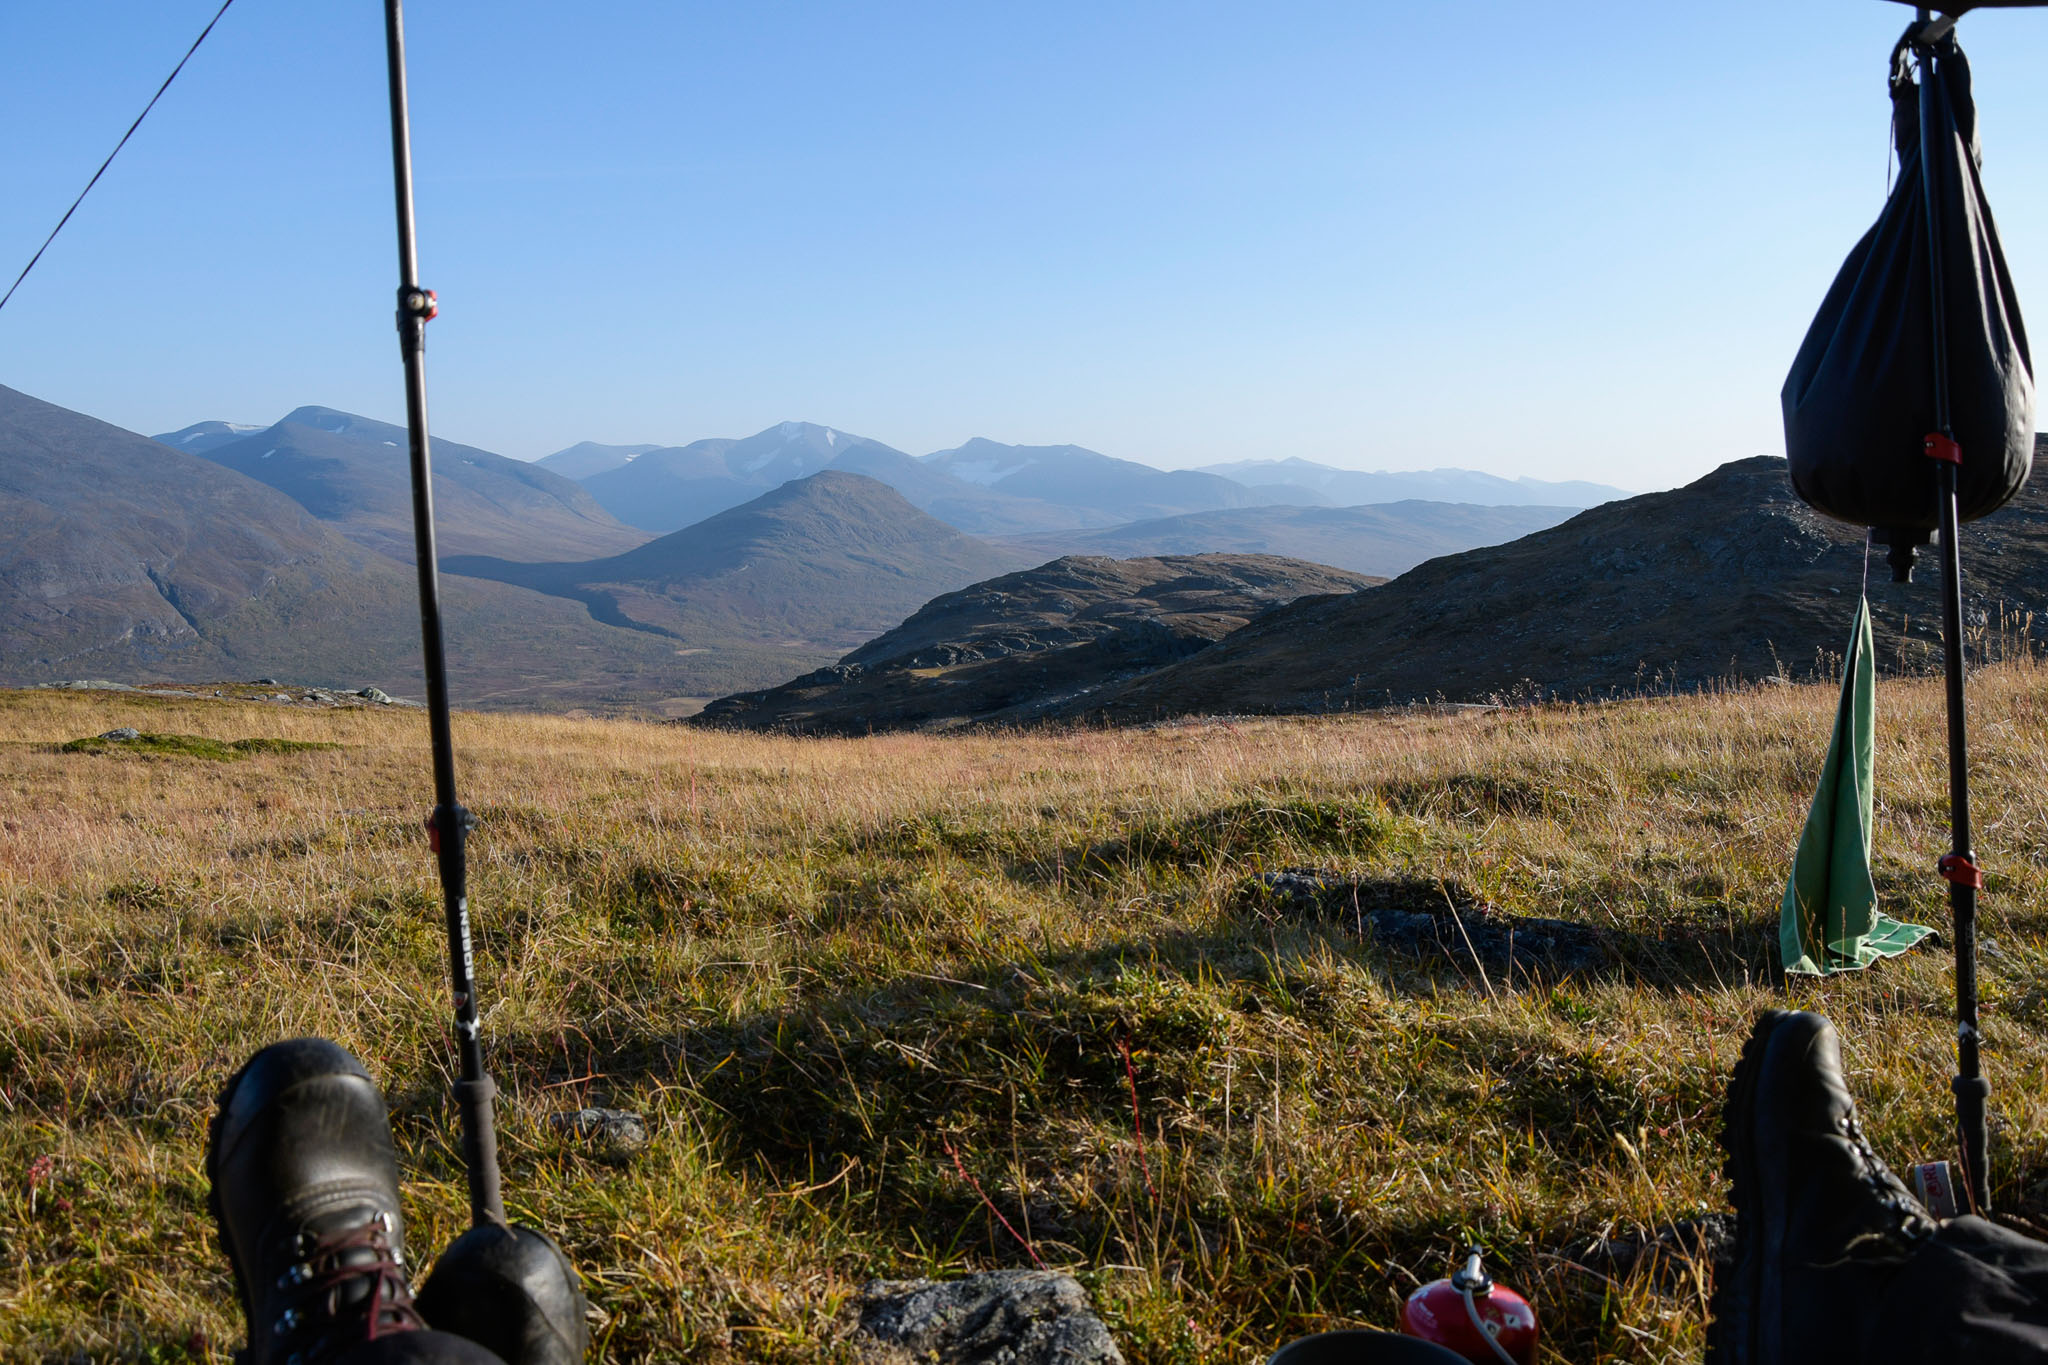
<point x="840" y="978"/>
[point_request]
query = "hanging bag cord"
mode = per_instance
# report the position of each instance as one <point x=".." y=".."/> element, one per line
<point x="449" y="826"/>
<point x="1959" y="868"/>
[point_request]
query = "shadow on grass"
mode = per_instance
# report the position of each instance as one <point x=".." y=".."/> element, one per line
<point x="1120" y="1105"/>
<point x="903" y="1073"/>
<point x="1424" y="920"/>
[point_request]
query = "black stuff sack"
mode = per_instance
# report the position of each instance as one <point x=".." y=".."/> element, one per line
<point x="1859" y="402"/>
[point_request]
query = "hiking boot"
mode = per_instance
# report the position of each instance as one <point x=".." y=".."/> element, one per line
<point x="305" y="1197"/>
<point x="1821" y="1226"/>
<point x="511" y="1290"/>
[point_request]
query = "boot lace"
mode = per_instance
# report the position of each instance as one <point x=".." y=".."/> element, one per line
<point x="349" y="1286"/>
<point x="1908" y="1222"/>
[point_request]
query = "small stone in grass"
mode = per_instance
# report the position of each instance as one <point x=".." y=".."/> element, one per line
<point x="376" y="694"/>
<point x="612" y="1133"/>
<point x="125" y="732"/>
<point x="1020" y="1317"/>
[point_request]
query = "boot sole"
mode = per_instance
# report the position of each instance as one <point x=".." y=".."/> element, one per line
<point x="1738" y="1286"/>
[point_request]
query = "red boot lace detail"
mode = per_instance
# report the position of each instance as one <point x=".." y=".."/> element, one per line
<point x="348" y="1287"/>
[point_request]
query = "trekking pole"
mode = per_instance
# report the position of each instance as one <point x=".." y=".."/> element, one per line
<point x="1959" y="868"/>
<point x="449" y="825"/>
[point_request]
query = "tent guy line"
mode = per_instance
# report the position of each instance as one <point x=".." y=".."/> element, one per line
<point x="116" y="152"/>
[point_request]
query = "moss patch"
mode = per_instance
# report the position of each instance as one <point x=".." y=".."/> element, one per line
<point x="190" y="746"/>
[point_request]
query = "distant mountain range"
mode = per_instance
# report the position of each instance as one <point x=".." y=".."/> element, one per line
<point x="982" y="487"/>
<point x="987" y="488"/>
<point x="1084" y="481"/>
<point x="352" y="473"/>
<point x="1385" y="540"/>
<point x="1016" y="648"/>
<point x="1352" y="487"/>
<point x="225" y="549"/>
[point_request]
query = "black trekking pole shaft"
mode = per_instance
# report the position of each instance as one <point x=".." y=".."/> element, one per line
<point x="450" y="823"/>
<point x="1971" y="1089"/>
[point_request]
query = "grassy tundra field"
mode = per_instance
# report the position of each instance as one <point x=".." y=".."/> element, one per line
<point x="870" y="994"/>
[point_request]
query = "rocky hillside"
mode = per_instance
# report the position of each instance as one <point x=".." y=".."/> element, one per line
<point x="821" y="563"/>
<point x="1382" y="540"/>
<point x="1007" y="650"/>
<point x="352" y="473"/>
<point x="1731" y="577"/>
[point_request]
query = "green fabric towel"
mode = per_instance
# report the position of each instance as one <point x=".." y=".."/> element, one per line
<point x="1830" y="922"/>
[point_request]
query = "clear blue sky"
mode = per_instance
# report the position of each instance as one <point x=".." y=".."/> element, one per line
<point x="1548" y="240"/>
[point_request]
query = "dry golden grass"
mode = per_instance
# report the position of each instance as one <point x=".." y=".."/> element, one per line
<point x="824" y="968"/>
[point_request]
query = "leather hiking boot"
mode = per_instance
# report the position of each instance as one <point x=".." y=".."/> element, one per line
<point x="305" y="1197"/>
<point x="511" y="1290"/>
<point x="1821" y="1226"/>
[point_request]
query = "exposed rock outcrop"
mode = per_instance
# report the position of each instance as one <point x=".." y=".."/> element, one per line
<point x="1011" y="649"/>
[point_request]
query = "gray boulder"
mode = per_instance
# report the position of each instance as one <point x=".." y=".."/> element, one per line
<point x="375" y="694"/>
<point x="999" y="1317"/>
<point x="122" y="734"/>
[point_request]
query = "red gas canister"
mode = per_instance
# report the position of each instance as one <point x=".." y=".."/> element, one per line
<point x="1486" y="1323"/>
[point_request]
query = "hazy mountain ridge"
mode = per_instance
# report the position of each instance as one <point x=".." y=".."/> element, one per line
<point x="352" y="472"/>
<point x="586" y="458"/>
<point x="673" y="487"/>
<point x="201" y="437"/>
<point x="1379" y="540"/>
<point x="1356" y="487"/>
<point x="779" y="579"/>
<point x="1088" y="481"/>
<point x="982" y="486"/>
<point x="985" y="487"/>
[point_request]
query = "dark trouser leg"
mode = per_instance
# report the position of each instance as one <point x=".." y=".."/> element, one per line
<point x="1972" y="1293"/>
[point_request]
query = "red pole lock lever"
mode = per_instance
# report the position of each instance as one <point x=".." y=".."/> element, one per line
<point x="1960" y="870"/>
